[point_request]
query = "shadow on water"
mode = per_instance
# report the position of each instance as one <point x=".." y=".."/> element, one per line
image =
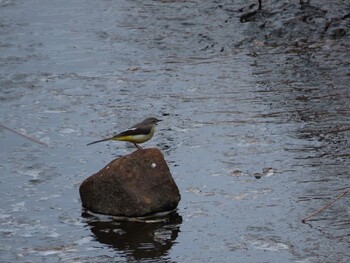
<point x="309" y="98"/>
<point x="137" y="240"/>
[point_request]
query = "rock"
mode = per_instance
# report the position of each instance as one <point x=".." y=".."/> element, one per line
<point x="134" y="185"/>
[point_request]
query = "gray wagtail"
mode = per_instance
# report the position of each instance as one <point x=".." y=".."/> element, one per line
<point x="138" y="133"/>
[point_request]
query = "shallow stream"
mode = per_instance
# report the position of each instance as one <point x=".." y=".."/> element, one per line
<point x="256" y="128"/>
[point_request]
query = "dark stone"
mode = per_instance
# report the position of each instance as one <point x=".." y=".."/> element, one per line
<point x="134" y="185"/>
<point x="339" y="32"/>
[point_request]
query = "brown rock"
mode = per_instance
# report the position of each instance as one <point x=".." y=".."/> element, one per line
<point x="134" y="185"/>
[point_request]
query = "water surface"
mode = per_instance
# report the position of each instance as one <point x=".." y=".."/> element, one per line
<point x="237" y="105"/>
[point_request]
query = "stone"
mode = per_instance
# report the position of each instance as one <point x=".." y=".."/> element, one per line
<point x="138" y="184"/>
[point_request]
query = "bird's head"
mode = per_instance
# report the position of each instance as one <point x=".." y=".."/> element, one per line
<point x="151" y="120"/>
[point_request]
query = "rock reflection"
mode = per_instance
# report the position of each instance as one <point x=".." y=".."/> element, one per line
<point x="137" y="240"/>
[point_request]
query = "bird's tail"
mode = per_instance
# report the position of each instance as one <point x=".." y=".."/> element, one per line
<point x="103" y="140"/>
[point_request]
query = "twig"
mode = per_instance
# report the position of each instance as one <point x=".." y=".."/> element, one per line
<point x="326" y="206"/>
<point x="23" y="135"/>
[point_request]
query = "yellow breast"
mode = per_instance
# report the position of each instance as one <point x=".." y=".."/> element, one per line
<point x="140" y="138"/>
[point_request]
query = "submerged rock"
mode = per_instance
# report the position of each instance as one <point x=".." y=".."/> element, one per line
<point x="134" y="185"/>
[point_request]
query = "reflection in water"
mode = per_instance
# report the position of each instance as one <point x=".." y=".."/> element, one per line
<point x="137" y="240"/>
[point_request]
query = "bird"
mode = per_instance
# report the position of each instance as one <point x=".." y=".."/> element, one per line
<point x="139" y="133"/>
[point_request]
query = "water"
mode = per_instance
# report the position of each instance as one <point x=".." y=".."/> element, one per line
<point x="255" y="131"/>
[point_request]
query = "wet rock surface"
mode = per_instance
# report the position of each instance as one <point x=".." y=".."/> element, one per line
<point x="135" y="185"/>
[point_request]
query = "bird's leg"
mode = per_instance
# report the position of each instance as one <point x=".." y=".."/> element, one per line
<point x="137" y="146"/>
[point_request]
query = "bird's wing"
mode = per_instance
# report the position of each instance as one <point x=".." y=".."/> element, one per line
<point x="134" y="131"/>
<point x="142" y="130"/>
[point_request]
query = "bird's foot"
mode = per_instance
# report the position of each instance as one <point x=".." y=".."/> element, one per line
<point x="137" y="146"/>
